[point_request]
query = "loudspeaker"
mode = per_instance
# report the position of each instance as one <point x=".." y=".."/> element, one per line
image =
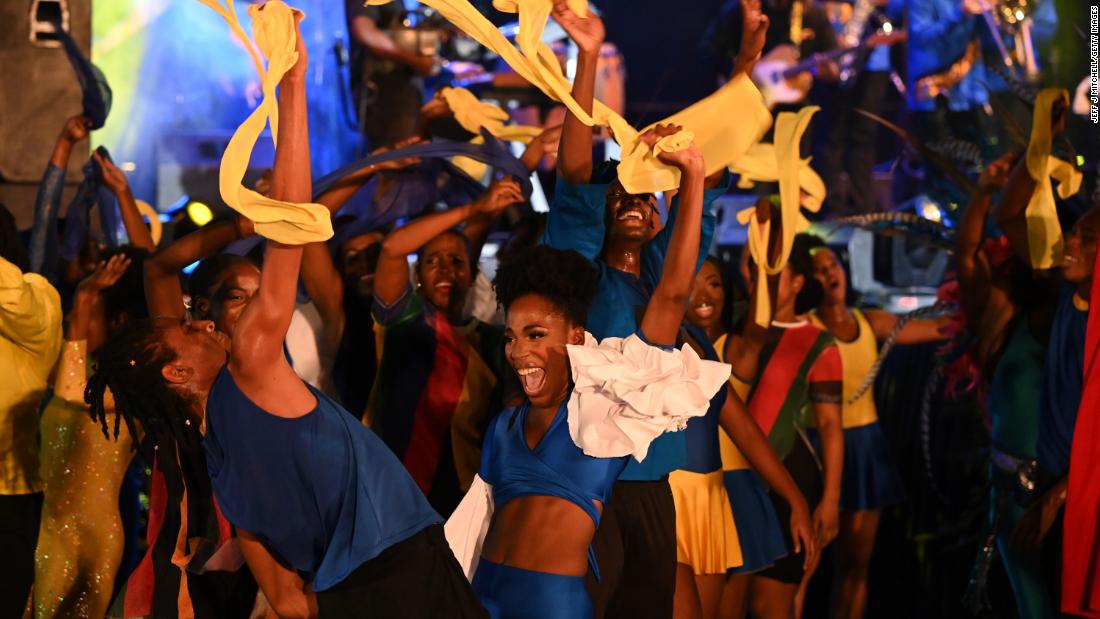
<point x="38" y="92"/>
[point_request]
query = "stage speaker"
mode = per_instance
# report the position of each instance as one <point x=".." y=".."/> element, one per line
<point x="187" y="165"/>
<point x="38" y="91"/>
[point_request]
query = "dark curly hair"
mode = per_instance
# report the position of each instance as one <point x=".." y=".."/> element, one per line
<point x="562" y="276"/>
<point x="801" y="262"/>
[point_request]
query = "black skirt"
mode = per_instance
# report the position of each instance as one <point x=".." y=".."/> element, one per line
<point x="416" y="578"/>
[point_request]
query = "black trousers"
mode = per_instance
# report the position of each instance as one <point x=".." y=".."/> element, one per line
<point x="635" y="547"/>
<point x="20" y="515"/>
<point x="418" y="578"/>
<point x="803" y="467"/>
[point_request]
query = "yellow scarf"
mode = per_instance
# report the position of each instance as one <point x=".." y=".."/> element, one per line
<point x="722" y="135"/>
<point x="1044" y="233"/>
<point x="787" y="167"/>
<point x="286" y="222"/>
<point x="473" y="114"/>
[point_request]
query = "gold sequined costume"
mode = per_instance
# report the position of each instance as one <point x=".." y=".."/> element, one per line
<point x="80" y="540"/>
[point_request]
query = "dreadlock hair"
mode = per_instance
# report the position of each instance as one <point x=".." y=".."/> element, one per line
<point x="127" y="296"/>
<point x="129" y="364"/>
<point x="801" y="262"/>
<point x="11" y="246"/>
<point x="564" y="277"/>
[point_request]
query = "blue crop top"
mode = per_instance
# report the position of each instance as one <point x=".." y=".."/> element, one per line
<point x="555" y="467"/>
<point x="321" y="491"/>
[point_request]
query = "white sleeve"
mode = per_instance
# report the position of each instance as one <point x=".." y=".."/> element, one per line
<point x="627" y="393"/>
<point x="469" y="523"/>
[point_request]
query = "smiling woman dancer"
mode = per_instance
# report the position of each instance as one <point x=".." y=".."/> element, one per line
<point x="328" y="521"/>
<point x="547" y="491"/>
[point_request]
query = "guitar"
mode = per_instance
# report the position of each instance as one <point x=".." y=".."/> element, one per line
<point x="781" y="78"/>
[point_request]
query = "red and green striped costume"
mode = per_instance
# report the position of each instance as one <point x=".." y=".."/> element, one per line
<point x="436" y="388"/>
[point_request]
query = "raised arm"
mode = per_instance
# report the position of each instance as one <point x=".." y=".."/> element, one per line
<point x="115" y="180"/>
<point x="970" y="263"/>
<point x="1012" y="209"/>
<point x="665" y="310"/>
<point x="744" y="432"/>
<point x="44" y="242"/>
<point x="477" y="228"/>
<point x="754" y="31"/>
<point x="258" y="356"/>
<point x="575" y="152"/>
<point x="392" y="276"/>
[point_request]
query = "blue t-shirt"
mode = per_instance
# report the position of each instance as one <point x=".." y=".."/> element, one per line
<point x="578" y="221"/>
<point x="321" y="491"/>
<point x="1063" y="380"/>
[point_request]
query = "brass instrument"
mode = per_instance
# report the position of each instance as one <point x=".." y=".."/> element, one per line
<point x="930" y="86"/>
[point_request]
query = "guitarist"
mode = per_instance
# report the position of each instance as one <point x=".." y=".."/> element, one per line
<point x="943" y="36"/>
<point x="814" y="36"/>
<point x="851" y="145"/>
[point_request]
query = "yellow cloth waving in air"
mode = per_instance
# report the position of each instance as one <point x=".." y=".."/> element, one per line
<point x="1043" y="230"/>
<point x="724" y="124"/>
<point x="787" y="167"/>
<point x="286" y="222"/>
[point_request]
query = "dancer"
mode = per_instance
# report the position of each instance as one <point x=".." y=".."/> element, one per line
<point x="333" y="526"/>
<point x="758" y="530"/>
<point x="618" y="232"/>
<point x="1009" y="309"/>
<point x="708" y="540"/>
<point x="869" y="480"/>
<point x="80" y="540"/>
<point x="791" y="367"/>
<point x="30" y="338"/>
<point x="440" y="376"/>
<point x="533" y="561"/>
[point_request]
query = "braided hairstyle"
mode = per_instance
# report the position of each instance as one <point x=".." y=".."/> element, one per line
<point x="130" y="364"/>
<point x="801" y="262"/>
<point x="564" y="277"/>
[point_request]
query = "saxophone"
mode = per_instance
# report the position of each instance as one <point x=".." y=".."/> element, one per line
<point x="931" y="86"/>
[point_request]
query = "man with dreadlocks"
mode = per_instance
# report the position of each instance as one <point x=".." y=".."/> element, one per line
<point x="327" y="518"/>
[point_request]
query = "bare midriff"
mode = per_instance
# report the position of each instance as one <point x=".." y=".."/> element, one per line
<point x="542" y="534"/>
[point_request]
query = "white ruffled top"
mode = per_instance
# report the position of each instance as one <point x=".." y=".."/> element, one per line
<point x="627" y="393"/>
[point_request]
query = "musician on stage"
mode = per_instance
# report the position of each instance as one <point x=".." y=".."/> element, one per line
<point x="948" y="97"/>
<point x="814" y="35"/>
<point x="850" y="147"/>
<point x="385" y="77"/>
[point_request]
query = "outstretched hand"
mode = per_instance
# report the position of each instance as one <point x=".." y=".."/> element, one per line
<point x="113" y="178"/>
<point x="687" y="159"/>
<point x="397" y="164"/>
<point x="587" y="32"/>
<point x="436" y="108"/>
<point x="754" y="28"/>
<point x="105" y="275"/>
<point x="543" y="145"/>
<point x="995" y="175"/>
<point x="500" y="195"/>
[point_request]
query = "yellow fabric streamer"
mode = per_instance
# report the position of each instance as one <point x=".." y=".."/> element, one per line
<point x="788" y="170"/>
<point x="473" y="114"/>
<point x="722" y="136"/>
<point x="286" y="222"/>
<point x="1044" y="233"/>
<point x="156" y="228"/>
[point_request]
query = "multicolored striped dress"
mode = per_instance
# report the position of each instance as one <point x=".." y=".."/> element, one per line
<point x="799" y="365"/>
<point x="437" y="387"/>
